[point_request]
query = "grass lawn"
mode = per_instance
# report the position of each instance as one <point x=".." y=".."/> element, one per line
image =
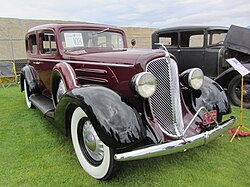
<point x="34" y="153"/>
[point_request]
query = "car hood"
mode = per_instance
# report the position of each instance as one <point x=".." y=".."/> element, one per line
<point x="119" y="56"/>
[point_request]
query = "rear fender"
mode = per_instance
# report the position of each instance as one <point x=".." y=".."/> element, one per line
<point x="116" y="123"/>
<point x="65" y="72"/>
<point x="27" y="73"/>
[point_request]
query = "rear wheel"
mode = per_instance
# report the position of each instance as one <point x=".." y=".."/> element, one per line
<point x="27" y="94"/>
<point x="234" y="91"/>
<point x="60" y="91"/>
<point x="95" y="157"/>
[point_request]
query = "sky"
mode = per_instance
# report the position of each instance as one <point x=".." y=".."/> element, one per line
<point x="134" y="13"/>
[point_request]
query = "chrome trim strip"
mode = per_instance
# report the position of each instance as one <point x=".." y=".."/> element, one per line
<point x="82" y="62"/>
<point x="89" y="70"/>
<point x="177" y="145"/>
<point x="93" y="79"/>
<point x="177" y="99"/>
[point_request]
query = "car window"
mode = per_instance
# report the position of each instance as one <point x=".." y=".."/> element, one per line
<point x="169" y="39"/>
<point x="91" y="39"/>
<point x="192" y="39"/>
<point x="47" y="43"/>
<point x="32" y="44"/>
<point x="216" y="37"/>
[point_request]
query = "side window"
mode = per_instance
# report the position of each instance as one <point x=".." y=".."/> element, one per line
<point x="216" y="37"/>
<point x="169" y="39"/>
<point x="192" y="39"/>
<point x="32" y="44"/>
<point x="47" y="43"/>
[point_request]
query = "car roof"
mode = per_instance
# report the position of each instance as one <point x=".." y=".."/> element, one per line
<point x="182" y="28"/>
<point x="70" y="25"/>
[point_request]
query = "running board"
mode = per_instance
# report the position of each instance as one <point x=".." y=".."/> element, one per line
<point x="44" y="104"/>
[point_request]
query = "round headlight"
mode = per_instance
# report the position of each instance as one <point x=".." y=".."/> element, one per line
<point x="195" y="78"/>
<point x="145" y="84"/>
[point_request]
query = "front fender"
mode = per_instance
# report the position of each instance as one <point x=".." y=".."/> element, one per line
<point x="225" y="77"/>
<point x="116" y="123"/>
<point x="212" y="96"/>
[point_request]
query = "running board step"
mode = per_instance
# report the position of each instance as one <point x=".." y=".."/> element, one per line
<point x="44" y="104"/>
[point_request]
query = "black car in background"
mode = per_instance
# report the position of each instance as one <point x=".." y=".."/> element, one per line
<point x="208" y="47"/>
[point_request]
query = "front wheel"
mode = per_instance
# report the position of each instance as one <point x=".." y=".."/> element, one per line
<point x="234" y="91"/>
<point x="95" y="157"/>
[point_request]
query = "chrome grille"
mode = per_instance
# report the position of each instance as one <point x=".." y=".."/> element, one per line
<point x="165" y="103"/>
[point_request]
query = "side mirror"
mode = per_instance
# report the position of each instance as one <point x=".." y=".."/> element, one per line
<point x="133" y="42"/>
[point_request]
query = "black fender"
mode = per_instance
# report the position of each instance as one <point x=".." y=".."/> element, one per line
<point x="225" y="77"/>
<point x="117" y="124"/>
<point x="212" y="96"/>
<point x="27" y="73"/>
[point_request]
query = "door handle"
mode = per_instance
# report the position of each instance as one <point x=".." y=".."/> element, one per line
<point x="37" y="63"/>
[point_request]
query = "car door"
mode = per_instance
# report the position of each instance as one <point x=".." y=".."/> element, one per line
<point x="33" y="56"/>
<point x="192" y="50"/>
<point x="47" y="53"/>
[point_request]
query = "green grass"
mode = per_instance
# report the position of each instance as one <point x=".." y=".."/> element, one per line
<point x="34" y="153"/>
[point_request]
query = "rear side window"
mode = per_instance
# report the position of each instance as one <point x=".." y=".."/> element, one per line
<point x="192" y="39"/>
<point x="47" y="43"/>
<point x="169" y="39"/>
<point x="32" y="44"/>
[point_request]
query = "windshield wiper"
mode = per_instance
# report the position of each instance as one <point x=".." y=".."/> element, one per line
<point x="104" y="30"/>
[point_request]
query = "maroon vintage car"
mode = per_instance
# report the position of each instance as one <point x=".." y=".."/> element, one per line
<point x="118" y="104"/>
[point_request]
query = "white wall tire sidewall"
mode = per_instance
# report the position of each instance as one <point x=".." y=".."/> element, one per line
<point x="99" y="171"/>
<point x="25" y="86"/>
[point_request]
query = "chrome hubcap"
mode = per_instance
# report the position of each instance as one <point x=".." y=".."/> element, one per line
<point x="92" y="143"/>
<point x="61" y="90"/>
<point x="247" y="92"/>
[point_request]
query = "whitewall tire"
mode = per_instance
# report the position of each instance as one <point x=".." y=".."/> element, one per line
<point x="27" y="94"/>
<point x="95" y="157"/>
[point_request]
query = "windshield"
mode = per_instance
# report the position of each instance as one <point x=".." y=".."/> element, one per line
<point x="82" y="39"/>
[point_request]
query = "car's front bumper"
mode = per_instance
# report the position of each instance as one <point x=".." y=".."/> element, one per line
<point x="177" y="145"/>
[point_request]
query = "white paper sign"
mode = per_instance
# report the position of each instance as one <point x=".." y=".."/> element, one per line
<point x="238" y="66"/>
<point x="73" y="39"/>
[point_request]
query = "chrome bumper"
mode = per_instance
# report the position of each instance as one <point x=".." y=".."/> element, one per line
<point x="177" y="145"/>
